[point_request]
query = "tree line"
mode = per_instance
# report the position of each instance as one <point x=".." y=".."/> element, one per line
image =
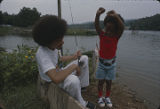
<point x="148" y="23"/>
<point x="26" y="17"/>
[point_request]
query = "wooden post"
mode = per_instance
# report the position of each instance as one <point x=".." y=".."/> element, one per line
<point x="59" y="9"/>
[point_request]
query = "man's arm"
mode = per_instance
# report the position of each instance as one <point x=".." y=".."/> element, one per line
<point x="72" y="57"/>
<point x="97" y="26"/>
<point x="59" y="76"/>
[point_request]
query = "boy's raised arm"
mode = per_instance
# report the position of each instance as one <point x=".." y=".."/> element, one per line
<point x="97" y="26"/>
<point x="120" y="23"/>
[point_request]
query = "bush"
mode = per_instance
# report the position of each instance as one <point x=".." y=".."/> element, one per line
<point x="18" y="68"/>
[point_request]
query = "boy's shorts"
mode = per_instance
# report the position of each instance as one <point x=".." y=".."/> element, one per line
<point x="107" y="72"/>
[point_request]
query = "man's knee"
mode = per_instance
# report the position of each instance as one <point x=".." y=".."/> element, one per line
<point x="84" y="60"/>
<point x="74" y="82"/>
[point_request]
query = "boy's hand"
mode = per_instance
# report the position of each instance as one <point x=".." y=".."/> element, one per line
<point x="100" y="11"/>
<point x="111" y="12"/>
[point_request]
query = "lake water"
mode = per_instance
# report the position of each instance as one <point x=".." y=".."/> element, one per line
<point x="138" y="59"/>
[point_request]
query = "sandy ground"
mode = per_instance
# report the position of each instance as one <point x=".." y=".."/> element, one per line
<point x="121" y="96"/>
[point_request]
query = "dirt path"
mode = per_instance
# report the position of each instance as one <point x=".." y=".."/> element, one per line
<point x="121" y="96"/>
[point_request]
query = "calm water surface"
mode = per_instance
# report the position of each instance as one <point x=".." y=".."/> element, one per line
<point x="138" y="59"/>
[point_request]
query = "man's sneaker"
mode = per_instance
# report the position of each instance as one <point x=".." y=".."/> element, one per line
<point x="90" y="105"/>
<point x="101" y="102"/>
<point x="108" y="102"/>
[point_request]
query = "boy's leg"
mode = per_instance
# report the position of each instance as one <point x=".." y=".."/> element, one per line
<point x="108" y="91"/>
<point x="100" y="93"/>
<point x="108" y="87"/>
<point x="100" y="88"/>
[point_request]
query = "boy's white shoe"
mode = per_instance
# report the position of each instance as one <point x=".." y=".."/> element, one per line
<point x="101" y="102"/>
<point x="108" y="102"/>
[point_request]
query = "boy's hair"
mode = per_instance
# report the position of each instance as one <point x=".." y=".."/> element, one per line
<point x="111" y="19"/>
<point x="48" y="29"/>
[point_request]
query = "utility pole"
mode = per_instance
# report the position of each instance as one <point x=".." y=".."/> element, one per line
<point x="59" y="9"/>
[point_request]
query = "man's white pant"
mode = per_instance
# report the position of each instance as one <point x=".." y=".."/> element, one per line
<point x="72" y="84"/>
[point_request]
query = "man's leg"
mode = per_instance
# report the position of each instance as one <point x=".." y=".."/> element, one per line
<point x="72" y="85"/>
<point x="84" y="76"/>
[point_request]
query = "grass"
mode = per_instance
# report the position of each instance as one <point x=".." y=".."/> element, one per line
<point x="23" y="98"/>
<point x="4" y="30"/>
<point x="82" y="32"/>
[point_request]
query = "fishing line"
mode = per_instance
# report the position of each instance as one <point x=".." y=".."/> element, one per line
<point x="76" y="39"/>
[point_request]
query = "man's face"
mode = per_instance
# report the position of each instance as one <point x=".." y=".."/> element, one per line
<point x="57" y="44"/>
<point x="60" y="43"/>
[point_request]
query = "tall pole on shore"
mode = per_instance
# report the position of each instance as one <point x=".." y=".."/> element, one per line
<point x="59" y="9"/>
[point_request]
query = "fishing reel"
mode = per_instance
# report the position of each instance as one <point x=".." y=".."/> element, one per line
<point x="80" y="63"/>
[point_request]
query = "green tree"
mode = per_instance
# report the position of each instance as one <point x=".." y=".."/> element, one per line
<point x="1" y="17"/>
<point x="8" y="19"/>
<point x="27" y="17"/>
<point x="148" y="23"/>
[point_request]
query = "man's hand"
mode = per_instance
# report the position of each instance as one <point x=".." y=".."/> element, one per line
<point x="78" y="71"/>
<point x="100" y="11"/>
<point x="77" y="54"/>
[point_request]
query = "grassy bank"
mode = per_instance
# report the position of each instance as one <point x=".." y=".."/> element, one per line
<point x="18" y="78"/>
<point x="9" y="30"/>
<point x="22" y="98"/>
<point x="81" y="32"/>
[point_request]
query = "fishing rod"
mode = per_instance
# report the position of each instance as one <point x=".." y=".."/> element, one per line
<point x="76" y="39"/>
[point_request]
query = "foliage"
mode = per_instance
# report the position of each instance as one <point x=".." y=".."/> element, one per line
<point x="18" y="68"/>
<point x="0" y="17"/>
<point x="81" y="32"/>
<point x="26" y="17"/>
<point x="23" y="97"/>
<point x="4" y="30"/>
<point x="10" y="30"/>
<point x="87" y="25"/>
<point x="148" y="23"/>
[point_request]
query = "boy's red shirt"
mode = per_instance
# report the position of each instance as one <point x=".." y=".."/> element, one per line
<point x="108" y="46"/>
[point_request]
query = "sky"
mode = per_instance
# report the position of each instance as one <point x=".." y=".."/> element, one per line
<point x="85" y="10"/>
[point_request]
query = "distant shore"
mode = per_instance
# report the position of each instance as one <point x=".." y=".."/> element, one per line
<point x="9" y="30"/>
